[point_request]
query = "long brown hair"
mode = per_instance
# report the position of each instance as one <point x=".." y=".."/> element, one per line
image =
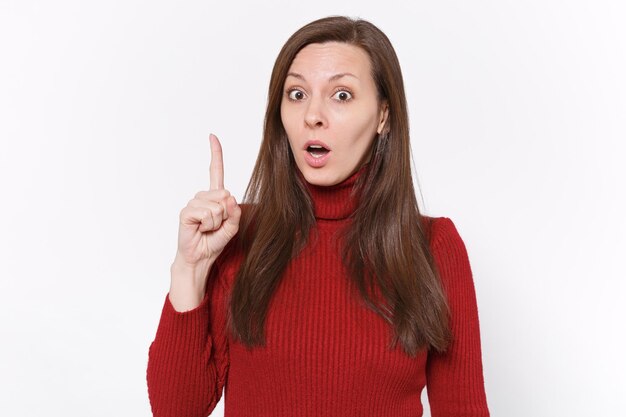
<point x="387" y="244"/>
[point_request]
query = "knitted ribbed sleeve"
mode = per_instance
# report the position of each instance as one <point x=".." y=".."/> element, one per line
<point x="188" y="359"/>
<point x="455" y="378"/>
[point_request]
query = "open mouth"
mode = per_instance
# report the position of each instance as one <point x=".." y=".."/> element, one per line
<point x="317" y="151"/>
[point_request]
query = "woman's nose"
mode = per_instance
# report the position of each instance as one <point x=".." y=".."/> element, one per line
<point x="315" y="114"/>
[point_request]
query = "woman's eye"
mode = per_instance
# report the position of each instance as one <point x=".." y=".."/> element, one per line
<point x="295" y="95"/>
<point x="343" y="95"/>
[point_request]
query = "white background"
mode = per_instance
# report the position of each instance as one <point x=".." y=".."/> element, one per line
<point x="518" y="126"/>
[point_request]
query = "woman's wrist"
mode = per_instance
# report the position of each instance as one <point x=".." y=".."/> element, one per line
<point x="188" y="284"/>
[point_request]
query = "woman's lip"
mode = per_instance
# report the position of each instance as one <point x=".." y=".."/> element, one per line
<point x="315" y="142"/>
<point x="316" y="162"/>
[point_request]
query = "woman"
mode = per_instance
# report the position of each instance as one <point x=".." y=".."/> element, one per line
<point x="289" y="301"/>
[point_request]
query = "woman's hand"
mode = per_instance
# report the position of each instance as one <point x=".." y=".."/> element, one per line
<point x="208" y="222"/>
<point x="211" y="218"/>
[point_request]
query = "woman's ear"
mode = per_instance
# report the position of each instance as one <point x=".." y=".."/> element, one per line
<point x="384" y="115"/>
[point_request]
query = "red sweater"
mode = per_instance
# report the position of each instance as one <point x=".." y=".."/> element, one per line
<point x="326" y="354"/>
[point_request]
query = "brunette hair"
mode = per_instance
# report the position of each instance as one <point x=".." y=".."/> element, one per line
<point x="386" y="246"/>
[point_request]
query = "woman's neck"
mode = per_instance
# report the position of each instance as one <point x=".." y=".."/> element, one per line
<point x="334" y="202"/>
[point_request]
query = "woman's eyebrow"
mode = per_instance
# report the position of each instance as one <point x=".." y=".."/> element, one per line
<point x="333" y="78"/>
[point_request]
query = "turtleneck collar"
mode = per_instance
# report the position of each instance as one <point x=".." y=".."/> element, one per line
<point x="334" y="202"/>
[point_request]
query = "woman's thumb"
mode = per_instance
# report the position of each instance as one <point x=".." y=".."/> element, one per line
<point x="234" y="215"/>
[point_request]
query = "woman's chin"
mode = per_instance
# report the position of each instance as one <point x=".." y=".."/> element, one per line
<point x="323" y="177"/>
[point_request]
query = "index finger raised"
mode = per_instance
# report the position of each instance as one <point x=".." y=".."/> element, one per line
<point x="217" y="165"/>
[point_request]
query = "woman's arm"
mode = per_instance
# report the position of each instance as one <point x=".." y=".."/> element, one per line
<point x="455" y="383"/>
<point x="188" y="359"/>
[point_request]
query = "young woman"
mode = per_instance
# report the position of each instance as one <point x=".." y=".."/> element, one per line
<point x="294" y="301"/>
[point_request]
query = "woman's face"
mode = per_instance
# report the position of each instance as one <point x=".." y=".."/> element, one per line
<point x="330" y="96"/>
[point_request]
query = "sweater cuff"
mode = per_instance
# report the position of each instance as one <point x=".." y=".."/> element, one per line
<point x="192" y="325"/>
<point x="204" y="304"/>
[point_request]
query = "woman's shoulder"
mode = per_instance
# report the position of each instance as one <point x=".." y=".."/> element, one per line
<point x="443" y="234"/>
<point x="449" y="250"/>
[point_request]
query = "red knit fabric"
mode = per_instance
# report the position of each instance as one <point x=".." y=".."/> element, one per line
<point x="325" y="354"/>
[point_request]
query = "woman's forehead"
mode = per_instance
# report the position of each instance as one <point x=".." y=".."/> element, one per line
<point x="330" y="61"/>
